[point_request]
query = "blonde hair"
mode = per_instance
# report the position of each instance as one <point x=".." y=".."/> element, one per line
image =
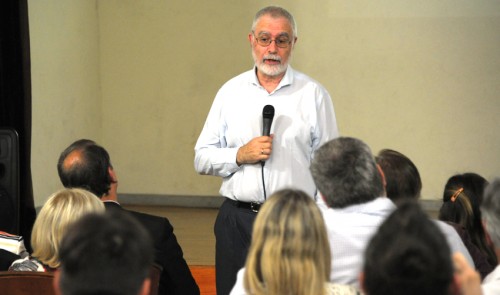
<point x="62" y="209"/>
<point x="290" y="252"/>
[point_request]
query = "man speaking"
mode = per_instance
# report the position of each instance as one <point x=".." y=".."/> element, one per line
<point x="234" y="146"/>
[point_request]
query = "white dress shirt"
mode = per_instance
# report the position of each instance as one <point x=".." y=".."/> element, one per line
<point x="330" y="288"/>
<point x="350" y="230"/>
<point x="304" y="119"/>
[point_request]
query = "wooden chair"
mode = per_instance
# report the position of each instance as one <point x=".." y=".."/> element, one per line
<point x="204" y="275"/>
<point x="40" y="283"/>
<point x="26" y="283"/>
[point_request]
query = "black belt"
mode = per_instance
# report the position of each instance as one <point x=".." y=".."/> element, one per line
<point x="253" y="206"/>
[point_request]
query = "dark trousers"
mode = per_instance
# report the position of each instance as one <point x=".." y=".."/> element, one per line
<point x="233" y="233"/>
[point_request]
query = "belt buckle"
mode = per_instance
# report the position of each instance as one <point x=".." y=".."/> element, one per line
<point x="254" y="207"/>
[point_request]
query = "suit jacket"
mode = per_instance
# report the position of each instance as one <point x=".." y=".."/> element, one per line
<point x="176" y="278"/>
<point x="6" y="259"/>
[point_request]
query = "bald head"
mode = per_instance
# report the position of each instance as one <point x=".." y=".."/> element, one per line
<point x="72" y="159"/>
<point x="84" y="164"/>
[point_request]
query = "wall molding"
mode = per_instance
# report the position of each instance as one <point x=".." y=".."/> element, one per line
<point x="429" y="205"/>
<point x="171" y="200"/>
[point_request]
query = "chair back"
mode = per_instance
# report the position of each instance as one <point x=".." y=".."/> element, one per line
<point x="9" y="181"/>
<point x="204" y="275"/>
<point x="41" y="283"/>
<point x="26" y="283"/>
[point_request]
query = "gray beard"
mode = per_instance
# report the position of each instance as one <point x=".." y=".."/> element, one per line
<point x="270" y="70"/>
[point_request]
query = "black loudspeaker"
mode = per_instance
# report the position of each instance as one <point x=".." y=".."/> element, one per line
<point x="9" y="181"/>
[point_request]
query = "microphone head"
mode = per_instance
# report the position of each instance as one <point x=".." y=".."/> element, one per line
<point x="268" y="112"/>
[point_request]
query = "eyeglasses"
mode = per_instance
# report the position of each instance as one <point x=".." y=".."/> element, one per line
<point x="281" y="41"/>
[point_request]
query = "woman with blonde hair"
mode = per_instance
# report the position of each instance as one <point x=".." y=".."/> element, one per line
<point x="62" y="209"/>
<point x="289" y="253"/>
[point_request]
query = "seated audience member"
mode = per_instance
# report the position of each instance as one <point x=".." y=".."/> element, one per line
<point x="61" y="210"/>
<point x="6" y="259"/>
<point x="490" y="209"/>
<point x="352" y="186"/>
<point x="401" y="175"/>
<point x="461" y="201"/>
<point x="87" y="165"/>
<point x="114" y="257"/>
<point x="407" y="256"/>
<point x="403" y="182"/>
<point x="289" y="251"/>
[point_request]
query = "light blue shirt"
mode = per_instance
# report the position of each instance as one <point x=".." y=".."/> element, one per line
<point x="304" y="119"/>
<point x="350" y="229"/>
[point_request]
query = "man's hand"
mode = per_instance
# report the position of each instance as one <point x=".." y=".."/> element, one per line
<point x="468" y="280"/>
<point x="257" y="149"/>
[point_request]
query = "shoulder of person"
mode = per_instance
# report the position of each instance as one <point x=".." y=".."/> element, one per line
<point x="27" y="264"/>
<point x="338" y="289"/>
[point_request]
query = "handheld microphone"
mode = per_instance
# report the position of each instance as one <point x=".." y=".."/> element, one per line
<point x="267" y="119"/>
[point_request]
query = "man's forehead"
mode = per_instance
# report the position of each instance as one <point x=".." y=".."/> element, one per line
<point x="273" y="25"/>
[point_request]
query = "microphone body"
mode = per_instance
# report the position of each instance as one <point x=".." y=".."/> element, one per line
<point x="267" y="119"/>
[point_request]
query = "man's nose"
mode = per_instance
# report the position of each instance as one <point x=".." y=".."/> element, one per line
<point x="272" y="48"/>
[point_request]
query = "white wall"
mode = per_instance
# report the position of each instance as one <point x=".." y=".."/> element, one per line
<point x="66" y="95"/>
<point x="419" y="77"/>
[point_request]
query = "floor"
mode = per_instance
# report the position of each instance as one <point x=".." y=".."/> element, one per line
<point x="193" y="228"/>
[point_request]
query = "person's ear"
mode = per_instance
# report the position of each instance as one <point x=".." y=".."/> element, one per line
<point x="454" y="288"/>
<point x="323" y="198"/>
<point x="55" y="282"/>
<point x="361" y="279"/>
<point x="146" y="286"/>
<point x="382" y="175"/>
<point x="112" y="174"/>
<point x="486" y="233"/>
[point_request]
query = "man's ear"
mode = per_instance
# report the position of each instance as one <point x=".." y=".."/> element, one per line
<point x="294" y="42"/>
<point x="455" y="287"/>
<point x="323" y="198"/>
<point x="361" y="279"/>
<point x="112" y="174"/>
<point x="55" y="282"/>
<point x="146" y="286"/>
<point x="382" y="175"/>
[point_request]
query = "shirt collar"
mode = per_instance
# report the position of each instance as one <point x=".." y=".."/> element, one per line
<point x="111" y="201"/>
<point x="379" y="206"/>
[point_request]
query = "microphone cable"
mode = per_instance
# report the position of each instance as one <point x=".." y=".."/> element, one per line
<point x="263" y="182"/>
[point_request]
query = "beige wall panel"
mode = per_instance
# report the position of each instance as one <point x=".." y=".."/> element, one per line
<point x="419" y="77"/>
<point x="66" y="96"/>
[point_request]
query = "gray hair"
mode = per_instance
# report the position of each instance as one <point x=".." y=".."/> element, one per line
<point x="490" y="209"/>
<point x="275" y="12"/>
<point x="345" y="173"/>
